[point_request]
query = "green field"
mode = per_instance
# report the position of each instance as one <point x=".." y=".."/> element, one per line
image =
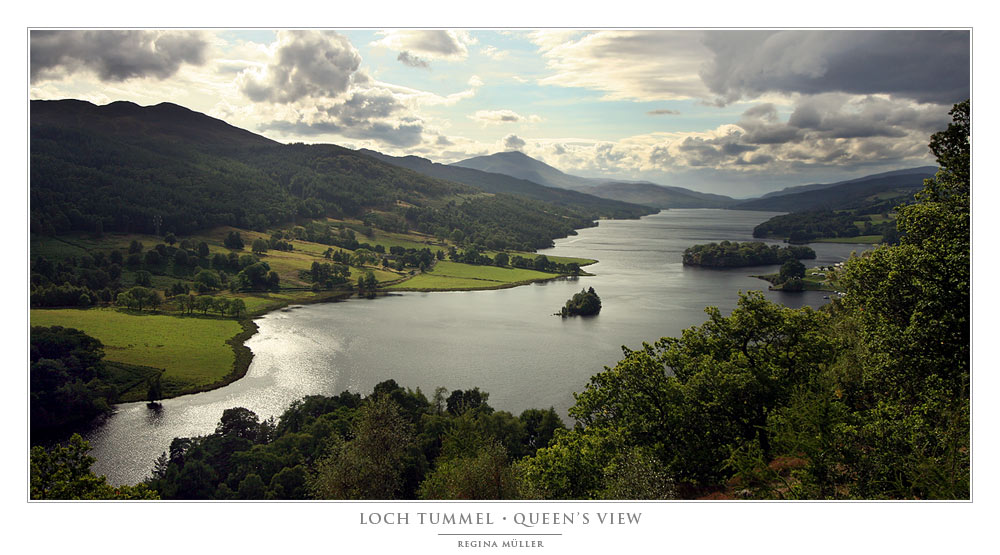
<point x="448" y="275"/>
<point x="192" y="351"/>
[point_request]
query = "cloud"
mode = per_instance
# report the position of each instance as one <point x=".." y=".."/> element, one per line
<point x="774" y="143"/>
<point x="722" y="67"/>
<point x="663" y="112"/>
<point x="412" y="61"/>
<point x="497" y="117"/>
<point x="305" y="64"/>
<point x="415" y="98"/>
<point x="400" y="134"/>
<point x="513" y="142"/>
<point x="114" y="55"/>
<point x="627" y="65"/>
<point x="923" y="65"/>
<point x="374" y="114"/>
<point x="475" y="81"/>
<point x="493" y="53"/>
<point x="431" y="44"/>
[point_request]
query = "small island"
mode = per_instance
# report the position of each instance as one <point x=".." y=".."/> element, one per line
<point x="751" y="253"/>
<point x="584" y="303"/>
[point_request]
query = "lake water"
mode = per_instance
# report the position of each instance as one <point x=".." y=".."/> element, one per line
<point x="506" y="342"/>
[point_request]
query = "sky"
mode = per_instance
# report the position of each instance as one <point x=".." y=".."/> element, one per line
<point x="735" y="112"/>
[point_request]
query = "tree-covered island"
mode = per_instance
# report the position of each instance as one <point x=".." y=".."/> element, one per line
<point x="584" y="303"/>
<point x="729" y="254"/>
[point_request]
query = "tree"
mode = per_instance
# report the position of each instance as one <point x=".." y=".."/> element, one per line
<point x="203" y="248"/>
<point x="791" y="269"/>
<point x="461" y="401"/>
<point x="234" y="241"/>
<point x="221" y="305"/>
<point x="367" y="285"/>
<point x="154" y="391"/>
<point x="501" y="259"/>
<point x="237" y="307"/>
<point x="273" y="280"/>
<point x="370" y="465"/>
<point x="485" y="474"/>
<point x="239" y="422"/>
<point x="205" y="303"/>
<point x="259" y="246"/>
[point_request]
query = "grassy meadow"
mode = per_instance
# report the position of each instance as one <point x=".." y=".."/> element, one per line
<point x="451" y="276"/>
<point x="192" y="351"/>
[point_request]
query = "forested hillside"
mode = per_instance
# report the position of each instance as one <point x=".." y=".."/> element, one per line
<point x="163" y="168"/>
<point x="889" y="190"/>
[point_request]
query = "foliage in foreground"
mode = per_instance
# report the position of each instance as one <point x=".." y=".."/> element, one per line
<point x="63" y="472"/>
<point x="392" y="444"/>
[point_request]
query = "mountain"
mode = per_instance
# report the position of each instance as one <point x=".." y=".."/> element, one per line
<point x="128" y="168"/>
<point x="501" y="183"/>
<point x="660" y="196"/>
<point x="925" y="171"/>
<point x="888" y="189"/>
<point x="126" y="119"/>
<point x="522" y="166"/>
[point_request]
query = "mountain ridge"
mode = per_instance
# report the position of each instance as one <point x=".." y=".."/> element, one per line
<point x="818" y="186"/>
<point x="519" y="165"/>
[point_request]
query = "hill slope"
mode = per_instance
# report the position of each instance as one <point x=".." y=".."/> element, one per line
<point x="122" y="167"/>
<point x="890" y="190"/>
<point x="660" y="196"/>
<point x="922" y="170"/>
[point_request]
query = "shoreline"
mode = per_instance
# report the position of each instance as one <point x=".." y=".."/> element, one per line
<point x="244" y="356"/>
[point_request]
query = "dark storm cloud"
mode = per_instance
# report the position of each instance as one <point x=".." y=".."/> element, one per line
<point x="413" y="61"/>
<point x="306" y="64"/>
<point x="926" y="66"/>
<point x="114" y="55"/>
